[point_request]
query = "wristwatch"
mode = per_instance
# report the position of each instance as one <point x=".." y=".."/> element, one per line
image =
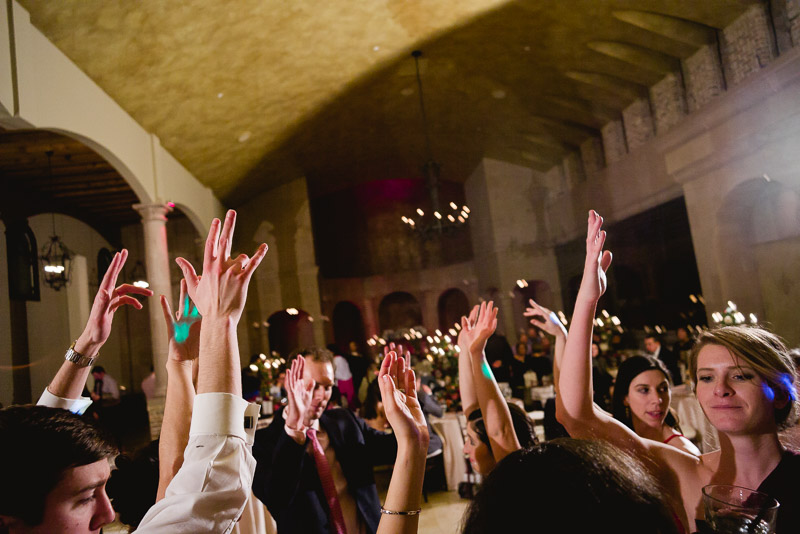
<point x="77" y="358"/>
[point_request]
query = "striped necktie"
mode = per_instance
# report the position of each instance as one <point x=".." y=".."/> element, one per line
<point x="324" y="471"/>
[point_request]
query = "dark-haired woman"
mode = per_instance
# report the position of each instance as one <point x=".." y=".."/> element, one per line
<point x="495" y="428"/>
<point x="642" y="398"/>
<point x="569" y="486"/>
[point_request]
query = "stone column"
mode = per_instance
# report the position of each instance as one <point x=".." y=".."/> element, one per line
<point x="154" y="219"/>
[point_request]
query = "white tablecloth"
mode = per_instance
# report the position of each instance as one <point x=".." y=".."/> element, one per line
<point x="693" y="421"/>
<point x="449" y="430"/>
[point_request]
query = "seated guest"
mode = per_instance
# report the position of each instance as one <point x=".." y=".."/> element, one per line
<point x="106" y="389"/>
<point x="601" y="380"/>
<point x="372" y="409"/>
<point x="369" y="378"/>
<point x="495" y="429"/>
<point x="570" y="487"/>
<point x="429" y="407"/>
<point x="314" y="470"/>
<point x="519" y="365"/>
<point x="65" y="460"/>
<point x="653" y="346"/>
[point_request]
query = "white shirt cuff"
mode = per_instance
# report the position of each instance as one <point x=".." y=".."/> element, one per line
<point x="224" y="414"/>
<point x="76" y="406"/>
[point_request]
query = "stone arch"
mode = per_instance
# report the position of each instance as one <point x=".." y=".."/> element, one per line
<point x="288" y="332"/>
<point x="348" y="325"/>
<point x="121" y="167"/>
<point x="399" y="310"/>
<point x="453" y="304"/>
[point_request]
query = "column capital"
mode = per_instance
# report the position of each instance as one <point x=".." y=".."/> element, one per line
<point x="153" y="212"/>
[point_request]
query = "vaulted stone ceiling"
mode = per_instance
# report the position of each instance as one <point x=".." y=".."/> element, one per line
<point x="254" y="93"/>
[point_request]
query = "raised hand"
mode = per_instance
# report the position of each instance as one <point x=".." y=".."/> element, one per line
<point x="402" y="408"/>
<point x="545" y="319"/>
<point x="485" y="325"/>
<point x="594" y="281"/>
<point x="467" y="333"/>
<point x="222" y="290"/>
<point x="183" y="327"/>
<point x="106" y="302"/>
<point x="299" y="393"/>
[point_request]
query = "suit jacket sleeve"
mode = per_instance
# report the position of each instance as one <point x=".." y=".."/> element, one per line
<point x="382" y="446"/>
<point x="279" y="466"/>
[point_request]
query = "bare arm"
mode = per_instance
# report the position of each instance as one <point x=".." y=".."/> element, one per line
<point x="496" y="415"/>
<point x="466" y="382"/>
<point x="71" y="378"/>
<point x="575" y="408"/>
<point x="405" y="415"/>
<point x="220" y="296"/>
<point x="184" y="339"/>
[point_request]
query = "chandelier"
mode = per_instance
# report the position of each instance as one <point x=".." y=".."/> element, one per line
<point x="56" y="261"/>
<point x="56" y="258"/>
<point x="437" y="221"/>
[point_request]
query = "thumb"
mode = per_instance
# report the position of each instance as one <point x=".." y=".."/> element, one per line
<point x="605" y="260"/>
<point x="387" y="388"/>
<point x="189" y="275"/>
<point x="167" y="314"/>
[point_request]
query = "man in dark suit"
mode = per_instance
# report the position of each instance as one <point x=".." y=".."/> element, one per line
<point x="654" y="347"/>
<point x="314" y="470"/>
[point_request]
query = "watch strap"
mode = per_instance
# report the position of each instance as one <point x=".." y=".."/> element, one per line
<point x="77" y="358"/>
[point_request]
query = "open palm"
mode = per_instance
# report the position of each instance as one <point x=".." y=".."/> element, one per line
<point x="485" y="325"/>
<point x="183" y="328"/>
<point x="403" y="410"/>
<point x="594" y="281"/>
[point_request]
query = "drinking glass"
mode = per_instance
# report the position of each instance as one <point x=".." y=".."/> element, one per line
<point x="738" y="510"/>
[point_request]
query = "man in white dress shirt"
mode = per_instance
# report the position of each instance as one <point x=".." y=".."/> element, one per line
<point x="55" y="466"/>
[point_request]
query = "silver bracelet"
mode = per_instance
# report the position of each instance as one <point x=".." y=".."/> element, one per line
<point x="392" y="512"/>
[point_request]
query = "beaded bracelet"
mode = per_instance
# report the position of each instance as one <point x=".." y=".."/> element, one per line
<point x="392" y="512"/>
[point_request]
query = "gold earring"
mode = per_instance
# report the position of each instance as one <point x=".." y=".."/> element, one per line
<point x="628" y="412"/>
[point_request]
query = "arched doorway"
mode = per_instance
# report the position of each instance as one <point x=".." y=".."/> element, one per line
<point x="453" y="304"/>
<point x="399" y="310"/>
<point x="289" y="330"/>
<point x="348" y="325"/>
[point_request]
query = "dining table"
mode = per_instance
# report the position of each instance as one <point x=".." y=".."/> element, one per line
<point x="449" y="428"/>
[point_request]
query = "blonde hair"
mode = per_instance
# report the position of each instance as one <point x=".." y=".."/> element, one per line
<point x="766" y="353"/>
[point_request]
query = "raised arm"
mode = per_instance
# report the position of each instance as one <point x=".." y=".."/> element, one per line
<point x="400" y="512"/>
<point x="575" y="408"/>
<point x="496" y="415"/>
<point x="183" y="329"/>
<point x="212" y="486"/>
<point x="466" y="382"/>
<point x="550" y="323"/>
<point x="220" y="296"/>
<point x="71" y="376"/>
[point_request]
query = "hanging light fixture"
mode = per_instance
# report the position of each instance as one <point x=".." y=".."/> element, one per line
<point x="436" y="221"/>
<point x="139" y="275"/>
<point x="55" y="257"/>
